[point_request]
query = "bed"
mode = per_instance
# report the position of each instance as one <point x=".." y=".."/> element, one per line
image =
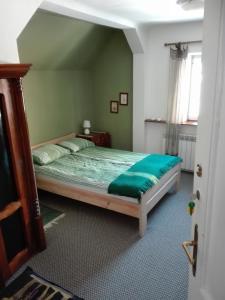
<point x="86" y="175"/>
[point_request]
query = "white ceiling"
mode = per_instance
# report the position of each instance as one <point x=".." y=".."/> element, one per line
<point x="142" y="11"/>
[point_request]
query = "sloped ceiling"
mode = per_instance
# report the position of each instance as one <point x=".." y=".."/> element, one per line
<point x="52" y="42"/>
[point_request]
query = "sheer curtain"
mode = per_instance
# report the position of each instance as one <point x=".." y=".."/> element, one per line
<point x="177" y="96"/>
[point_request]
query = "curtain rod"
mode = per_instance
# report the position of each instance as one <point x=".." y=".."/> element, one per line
<point x="189" y="42"/>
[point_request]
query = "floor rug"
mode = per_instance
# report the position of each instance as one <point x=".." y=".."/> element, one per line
<point x="31" y="286"/>
<point x="50" y="215"/>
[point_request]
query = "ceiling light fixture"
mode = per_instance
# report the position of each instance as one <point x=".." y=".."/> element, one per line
<point x="191" y="4"/>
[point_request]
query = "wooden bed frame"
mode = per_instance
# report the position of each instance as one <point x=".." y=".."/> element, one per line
<point x="124" y="205"/>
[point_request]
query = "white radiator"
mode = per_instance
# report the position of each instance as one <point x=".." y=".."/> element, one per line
<point x="186" y="151"/>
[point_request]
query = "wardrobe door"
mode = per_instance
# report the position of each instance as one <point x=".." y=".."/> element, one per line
<point x="21" y="230"/>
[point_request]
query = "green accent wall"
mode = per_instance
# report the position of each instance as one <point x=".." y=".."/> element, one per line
<point x="77" y="68"/>
<point x="112" y="74"/>
<point x="56" y="102"/>
<point x="56" y="42"/>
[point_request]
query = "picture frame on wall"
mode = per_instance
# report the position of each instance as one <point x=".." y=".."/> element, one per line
<point x="114" y="106"/>
<point x="123" y="98"/>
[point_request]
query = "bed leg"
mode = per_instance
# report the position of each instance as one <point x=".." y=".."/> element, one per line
<point x="142" y="223"/>
<point x="177" y="184"/>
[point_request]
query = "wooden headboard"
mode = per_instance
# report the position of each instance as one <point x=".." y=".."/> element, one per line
<point x="54" y="141"/>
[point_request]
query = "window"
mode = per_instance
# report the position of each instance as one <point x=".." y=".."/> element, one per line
<point x="195" y="77"/>
<point x="184" y="86"/>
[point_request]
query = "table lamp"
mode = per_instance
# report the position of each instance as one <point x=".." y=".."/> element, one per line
<point x="87" y="126"/>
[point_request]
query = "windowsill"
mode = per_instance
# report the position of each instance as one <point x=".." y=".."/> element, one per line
<point x="155" y="121"/>
<point x="187" y="123"/>
<point x="190" y="123"/>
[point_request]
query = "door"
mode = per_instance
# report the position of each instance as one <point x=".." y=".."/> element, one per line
<point x="209" y="215"/>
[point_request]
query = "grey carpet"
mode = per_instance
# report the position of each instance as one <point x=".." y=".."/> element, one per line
<point x="97" y="254"/>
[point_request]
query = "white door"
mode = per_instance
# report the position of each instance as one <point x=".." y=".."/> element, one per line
<point x="209" y="280"/>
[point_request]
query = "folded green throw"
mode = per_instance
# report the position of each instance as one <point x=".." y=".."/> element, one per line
<point x="142" y="175"/>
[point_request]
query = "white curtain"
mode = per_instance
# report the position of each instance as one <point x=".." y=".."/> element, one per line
<point x="177" y="96"/>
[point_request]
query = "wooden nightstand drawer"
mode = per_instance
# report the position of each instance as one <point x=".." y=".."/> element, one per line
<point x="102" y="139"/>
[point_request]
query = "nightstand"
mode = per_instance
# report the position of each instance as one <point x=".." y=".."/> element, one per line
<point x="102" y="139"/>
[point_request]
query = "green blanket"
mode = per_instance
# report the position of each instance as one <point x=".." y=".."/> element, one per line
<point x="142" y="175"/>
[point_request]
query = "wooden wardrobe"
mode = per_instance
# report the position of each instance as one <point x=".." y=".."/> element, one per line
<point x="21" y="229"/>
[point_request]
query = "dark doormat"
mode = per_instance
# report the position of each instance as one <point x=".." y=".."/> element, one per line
<point x="31" y="286"/>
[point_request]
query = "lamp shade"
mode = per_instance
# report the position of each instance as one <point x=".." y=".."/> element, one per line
<point x="87" y="124"/>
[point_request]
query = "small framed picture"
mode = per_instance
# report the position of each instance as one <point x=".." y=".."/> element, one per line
<point x="123" y="98"/>
<point x="114" y="106"/>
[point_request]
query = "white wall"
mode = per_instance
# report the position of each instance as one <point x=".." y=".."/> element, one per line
<point x="14" y="15"/>
<point x="157" y="74"/>
<point x="138" y="102"/>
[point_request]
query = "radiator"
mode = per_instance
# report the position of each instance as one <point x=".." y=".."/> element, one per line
<point x="186" y="151"/>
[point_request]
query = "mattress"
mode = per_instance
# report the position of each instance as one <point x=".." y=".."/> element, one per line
<point x="93" y="166"/>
